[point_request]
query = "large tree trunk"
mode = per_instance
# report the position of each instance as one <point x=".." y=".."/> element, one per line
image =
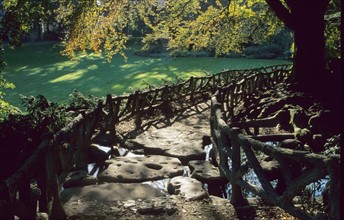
<point x="310" y="50"/>
<point x="306" y="19"/>
<point x="309" y="62"/>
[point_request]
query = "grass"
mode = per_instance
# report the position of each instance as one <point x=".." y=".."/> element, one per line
<point x="38" y="68"/>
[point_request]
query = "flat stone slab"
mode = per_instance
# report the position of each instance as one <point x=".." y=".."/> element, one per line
<point x="204" y="171"/>
<point x="189" y="188"/>
<point x="184" y="144"/>
<point x="140" y="169"/>
<point x="110" y="192"/>
<point x="168" y="208"/>
<point x="107" y="201"/>
<point x="79" y="178"/>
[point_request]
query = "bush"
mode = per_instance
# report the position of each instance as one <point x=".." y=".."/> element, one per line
<point x="20" y="134"/>
<point x="265" y="51"/>
<point x="156" y="47"/>
<point x="5" y="107"/>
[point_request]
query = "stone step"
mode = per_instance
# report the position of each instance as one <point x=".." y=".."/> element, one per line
<point x="140" y="169"/>
<point x="106" y="201"/>
<point x="183" y="144"/>
<point x="205" y="171"/>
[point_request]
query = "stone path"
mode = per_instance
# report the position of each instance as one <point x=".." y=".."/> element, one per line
<point x="170" y="145"/>
<point x="140" y="169"/>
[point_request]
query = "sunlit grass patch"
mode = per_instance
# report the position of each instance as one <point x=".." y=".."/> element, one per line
<point x="39" y="68"/>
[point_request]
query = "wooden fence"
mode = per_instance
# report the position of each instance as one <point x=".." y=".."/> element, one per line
<point x="58" y="154"/>
<point x="230" y="145"/>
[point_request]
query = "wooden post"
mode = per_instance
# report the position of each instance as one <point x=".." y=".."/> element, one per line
<point x="237" y="198"/>
<point x="191" y="89"/>
<point x="221" y="148"/>
<point x="166" y="107"/>
<point x="110" y="120"/>
<point x="334" y="193"/>
<point x="25" y="198"/>
<point x="81" y="162"/>
<point x="231" y="100"/>
<point x="139" y="106"/>
<point x="57" y="212"/>
<point x="42" y="185"/>
<point x="6" y="209"/>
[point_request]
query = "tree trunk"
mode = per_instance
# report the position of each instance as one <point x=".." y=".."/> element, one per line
<point x="306" y="19"/>
<point x="309" y="65"/>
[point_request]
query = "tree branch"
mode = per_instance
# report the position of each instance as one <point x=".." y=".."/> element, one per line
<point x="282" y="13"/>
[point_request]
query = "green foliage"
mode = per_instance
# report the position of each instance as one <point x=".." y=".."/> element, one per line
<point x="332" y="145"/>
<point x="220" y="26"/>
<point x="5" y="107"/>
<point x="22" y="133"/>
<point x="45" y="116"/>
<point x="265" y="51"/>
<point x="332" y="30"/>
<point x="79" y="101"/>
<point x="332" y="34"/>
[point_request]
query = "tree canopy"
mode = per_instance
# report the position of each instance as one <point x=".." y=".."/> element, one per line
<point x="102" y="26"/>
<point x="221" y="26"/>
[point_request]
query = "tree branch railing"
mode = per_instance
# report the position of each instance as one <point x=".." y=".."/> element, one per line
<point x="193" y="91"/>
<point x="66" y="150"/>
<point x="230" y="146"/>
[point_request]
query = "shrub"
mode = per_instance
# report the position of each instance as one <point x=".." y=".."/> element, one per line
<point x="266" y="51"/>
<point x="5" y="107"/>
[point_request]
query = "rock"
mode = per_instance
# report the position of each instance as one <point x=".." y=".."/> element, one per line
<point x="324" y="123"/>
<point x="108" y="201"/>
<point x="173" y="142"/>
<point x="96" y="155"/>
<point x="318" y="143"/>
<point x="104" y="139"/>
<point x="79" y="178"/>
<point x="291" y="144"/>
<point x="304" y="135"/>
<point x="140" y="169"/>
<point x="299" y="117"/>
<point x="206" y="140"/>
<point x="189" y="188"/>
<point x="109" y="192"/>
<point x="42" y="216"/>
<point x="204" y="171"/>
<point x="271" y="169"/>
<point x="223" y="207"/>
<point x="157" y="206"/>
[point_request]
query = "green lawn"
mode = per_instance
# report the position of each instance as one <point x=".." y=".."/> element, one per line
<point x="38" y="68"/>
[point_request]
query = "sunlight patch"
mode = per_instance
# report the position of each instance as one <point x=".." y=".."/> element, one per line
<point x="118" y="87"/>
<point x="95" y="89"/>
<point x="92" y="67"/>
<point x="151" y="75"/>
<point x="70" y="76"/>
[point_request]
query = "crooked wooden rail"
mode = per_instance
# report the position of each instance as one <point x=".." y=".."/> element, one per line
<point x="230" y="145"/>
<point x="50" y="169"/>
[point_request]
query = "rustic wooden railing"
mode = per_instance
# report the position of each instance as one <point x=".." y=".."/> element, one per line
<point x="15" y="192"/>
<point x="230" y="145"/>
<point x="193" y="91"/>
<point x="58" y="154"/>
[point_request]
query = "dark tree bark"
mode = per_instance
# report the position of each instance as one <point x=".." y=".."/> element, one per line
<point x="306" y="19"/>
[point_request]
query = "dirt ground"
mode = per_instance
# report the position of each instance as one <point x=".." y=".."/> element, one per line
<point x="212" y="208"/>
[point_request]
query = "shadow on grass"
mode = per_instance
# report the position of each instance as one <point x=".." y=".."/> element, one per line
<point x="38" y="68"/>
